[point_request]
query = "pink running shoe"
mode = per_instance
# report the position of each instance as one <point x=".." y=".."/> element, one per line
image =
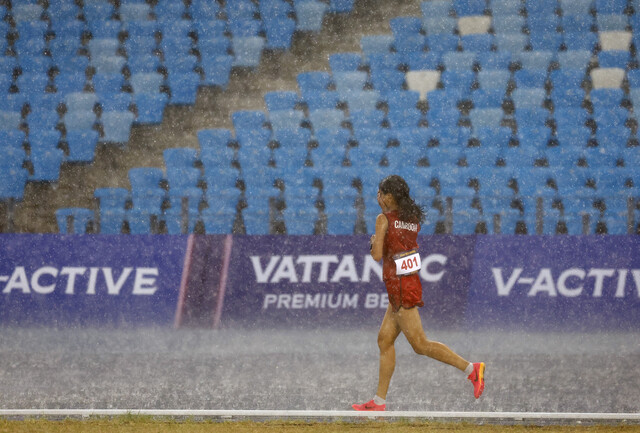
<point x="477" y="378"/>
<point x="370" y="405"/>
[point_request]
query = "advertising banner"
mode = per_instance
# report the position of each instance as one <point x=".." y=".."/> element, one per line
<point x="89" y="280"/>
<point x="536" y="283"/>
<point x="307" y="281"/>
<point x="559" y="283"/>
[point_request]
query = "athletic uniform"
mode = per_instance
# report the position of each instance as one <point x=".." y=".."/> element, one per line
<point x="404" y="291"/>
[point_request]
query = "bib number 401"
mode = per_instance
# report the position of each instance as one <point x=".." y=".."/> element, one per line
<point x="408" y="264"/>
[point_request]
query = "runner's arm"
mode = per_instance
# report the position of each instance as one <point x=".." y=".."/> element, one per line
<point x="377" y="240"/>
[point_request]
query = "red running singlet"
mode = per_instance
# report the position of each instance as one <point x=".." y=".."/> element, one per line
<point x="405" y="291"/>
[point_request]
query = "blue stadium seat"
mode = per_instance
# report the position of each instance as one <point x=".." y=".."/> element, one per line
<point x="546" y="40"/>
<point x="536" y="60"/>
<point x="577" y="22"/>
<point x="488" y="98"/>
<point x="342" y="62"/>
<point x="279" y="33"/>
<point x="116" y="126"/>
<point x="341" y="6"/>
<point x="46" y="164"/>
<point x="486" y="117"/>
<point x="606" y="97"/>
<point x="528" y="97"/>
<point x="533" y="136"/>
<point x="217" y="222"/>
<point x="442" y="43"/>
<point x="433" y="25"/>
<point x="404" y="26"/>
<point x="478" y="43"/>
<point x="77" y="219"/>
<point x="98" y="10"/>
<point x="457" y="79"/>
<point x="326" y="119"/>
<point x="217" y="70"/>
<point x="508" y="23"/>
<point x="376" y="44"/>
<point x="142" y="178"/>
<point x="460" y="61"/>
<point x="150" y="107"/>
<point x="81" y="145"/>
<point x="511" y="42"/>
<point x="300" y="221"/>
<point x="580" y="40"/>
<point x="610" y="6"/>
<point x="135" y="11"/>
<point x="242" y="27"/>
<point x="309" y="14"/>
<point x="79" y="120"/>
<point x="436" y="8"/>
<point x="494" y="60"/>
<point x="350" y="81"/>
<point x="382" y="62"/>
<point x="32" y="84"/>
<point x="614" y="59"/>
<point x="365" y="100"/>
<point x="612" y="22"/>
<point x="341" y="221"/>
<point x="386" y="81"/>
<point x="574" y="59"/>
<point x="69" y="82"/>
<point x="203" y="10"/>
<point x="313" y="80"/>
<point x="531" y="116"/>
<point x="183" y="87"/>
<point x="493" y="79"/>
<point x="285" y="119"/>
<point x="14" y="179"/>
<point x="146" y="82"/>
<point x="469" y="7"/>
<point x="111" y="198"/>
<point x="10" y="120"/>
<point x="497" y="137"/>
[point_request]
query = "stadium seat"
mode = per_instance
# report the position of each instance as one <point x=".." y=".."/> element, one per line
<point x="14" y="180"/>
<point x="116" y="126"/>
<point x="183" y="87"/>
<point x="76" y="219"/>
<point x="46" y="164"/>
<point x="309" y="15"/>
<point x="217" y="69"/>
<point x="344" y="62"/>
<point x="81" y="145"/>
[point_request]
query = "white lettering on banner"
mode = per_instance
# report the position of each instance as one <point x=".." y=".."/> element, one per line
<point x="35" y="280"/>
<point x="280" y="269"/>
<point x="304" y="301"/>
<point x="71" y="273"/>
<point x="425" y="274"/>
<point x="48" y="279"/>
<point x="570" y="282"/>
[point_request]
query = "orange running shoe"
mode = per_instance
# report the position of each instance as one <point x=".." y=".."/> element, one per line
<point x="477" y="378"/>
<point x="370" y="405"/>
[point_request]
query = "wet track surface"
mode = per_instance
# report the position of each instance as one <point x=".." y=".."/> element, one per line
<point x="325" y="369"/>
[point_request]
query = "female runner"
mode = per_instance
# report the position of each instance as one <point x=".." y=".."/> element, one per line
<point x="395" y="243"/>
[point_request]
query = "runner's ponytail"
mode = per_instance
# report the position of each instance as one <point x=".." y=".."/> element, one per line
<point x="408" y="209"/>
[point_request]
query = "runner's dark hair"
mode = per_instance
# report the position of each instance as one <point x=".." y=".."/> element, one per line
<point x="408" y="209"/>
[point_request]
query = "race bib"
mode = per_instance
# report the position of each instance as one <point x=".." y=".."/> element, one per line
<point x="407" y="263"/>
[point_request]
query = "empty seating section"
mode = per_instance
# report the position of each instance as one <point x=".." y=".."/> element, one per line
<point x="504" y="116"/>
<point x="75" y="74"/>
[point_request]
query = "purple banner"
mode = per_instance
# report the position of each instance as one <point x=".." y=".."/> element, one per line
<point x="556" y="283"/>
<point x="89" y="280"/>
<point x="332" y="280"/>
